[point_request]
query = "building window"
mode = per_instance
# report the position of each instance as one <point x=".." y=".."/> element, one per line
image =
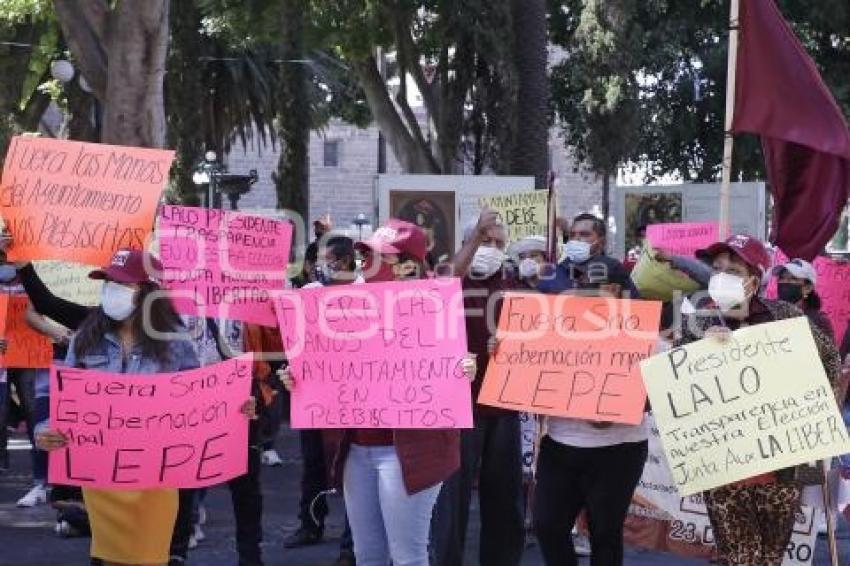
<point x="331" y="153"/>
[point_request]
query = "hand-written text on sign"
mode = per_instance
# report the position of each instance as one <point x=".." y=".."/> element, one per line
<point x="126" y="431"/>
<point x="381" y="355"/>
<point x="79" y="201"/>
<point x="523" y="214"/>
<point x="682" y="238"/>
<point x="729" y="411"/>
<point x="222" y="264"/>
<point x="571" y="356"/>
<point x="25" y="347"/>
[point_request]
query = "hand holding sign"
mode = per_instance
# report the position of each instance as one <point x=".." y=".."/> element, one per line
<point x="571" y="356"/>
<point x="121" y="431"/>
<point x="63" y="199"/>
<point x="381" y="355"/>
<point x="756" y="403"/>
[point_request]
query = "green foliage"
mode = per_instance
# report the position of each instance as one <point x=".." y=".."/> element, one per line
<point x="678" y="62"/>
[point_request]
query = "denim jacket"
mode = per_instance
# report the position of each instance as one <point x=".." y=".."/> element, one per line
<point x="108" y="356"/>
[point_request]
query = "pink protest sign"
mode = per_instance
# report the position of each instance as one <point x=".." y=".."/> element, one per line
<point x="833" y="287"/>
<point x="128" y="431"/>
<point x="380" y="355"/>
<point x="223" y="264"/>
<point x="682" y="238"/>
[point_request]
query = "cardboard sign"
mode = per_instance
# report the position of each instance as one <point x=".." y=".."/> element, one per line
<point x="833" y="287"/>
<point x="25" y="348"/>
<point x="222" y="264"/>
<point x="128" y="431"/>
<point x="661" y="520"/>
<point x="759" y="403"/>
<point x="69" y="281"/>
<point x="683" y="238"/>
<point x="571" y="357"/>
<point x="379" y="355"/>
<point x="79" y="201"/>
<point x="523" y="214"/>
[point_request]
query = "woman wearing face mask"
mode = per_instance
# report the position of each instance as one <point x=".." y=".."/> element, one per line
<point x="752" y="519"/>
<point x="796" y="285"/>
<point x="129" y="527"/>
<point x="529" y="255"/>
<point x="391" y="477"/>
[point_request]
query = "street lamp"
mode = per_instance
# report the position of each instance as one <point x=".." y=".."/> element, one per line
<point x="207" y="174"/>
<point x="360" y="221"/>
<point x="211" y="173"/>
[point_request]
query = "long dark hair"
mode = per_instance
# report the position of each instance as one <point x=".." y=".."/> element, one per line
<point x="160" y="316"/>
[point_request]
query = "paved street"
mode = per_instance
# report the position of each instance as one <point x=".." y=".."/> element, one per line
<point x="26" y="536"/>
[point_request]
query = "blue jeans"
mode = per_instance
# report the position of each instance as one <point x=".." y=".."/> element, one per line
<point x="41" y="410"/>
<point x="387" y="523"/>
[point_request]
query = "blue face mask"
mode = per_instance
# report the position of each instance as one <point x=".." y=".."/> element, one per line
<point x="7" y="272"/>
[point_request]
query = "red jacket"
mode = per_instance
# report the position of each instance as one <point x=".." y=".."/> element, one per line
<point x="427" y="457"/>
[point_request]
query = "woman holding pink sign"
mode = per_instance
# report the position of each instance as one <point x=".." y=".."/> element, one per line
<point x="391" y="477"/>
<point x="114" y="338"/>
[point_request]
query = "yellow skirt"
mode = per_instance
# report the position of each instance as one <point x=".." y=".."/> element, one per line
<point x="131" y="527"/>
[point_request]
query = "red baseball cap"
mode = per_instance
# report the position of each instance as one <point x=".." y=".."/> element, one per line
<point x="396" y="237"/>
<point x="130" y="266"/>
<point x="749" y="249"/>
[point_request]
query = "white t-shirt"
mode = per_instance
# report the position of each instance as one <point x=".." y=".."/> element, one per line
<point x="583" y="434"/>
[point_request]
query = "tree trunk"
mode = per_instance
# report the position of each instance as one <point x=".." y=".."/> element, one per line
<point x="293" y="176"/>
<point x="412" y="155"/>
<point x="184" y="94"/>
<point x="137" y="47"/>
<point x="531" y="149"/>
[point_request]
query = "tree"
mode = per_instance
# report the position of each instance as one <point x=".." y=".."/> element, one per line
<point x="30" y="39"/>
<point x="121" y="49"/>
<point x="596" y="87"/>
<point x="461" y="45"/>
<point x="531" y="150"/>
<point x="293" y="175"/>
<point x="678" y="63"/>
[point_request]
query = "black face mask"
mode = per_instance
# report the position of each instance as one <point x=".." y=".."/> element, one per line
<point x="790" y="292"/>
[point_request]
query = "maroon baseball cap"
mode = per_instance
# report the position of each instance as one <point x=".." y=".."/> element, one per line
<point x="130" y="266"/>
<point x="749" y="249"/>
<point x="396" y="237"/>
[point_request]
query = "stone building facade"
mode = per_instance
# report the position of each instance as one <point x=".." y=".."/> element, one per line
<point x="344" y="165"/>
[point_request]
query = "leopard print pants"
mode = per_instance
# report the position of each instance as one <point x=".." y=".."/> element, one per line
<point x="752" y="523"/>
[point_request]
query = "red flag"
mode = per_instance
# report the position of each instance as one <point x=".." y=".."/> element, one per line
<point x="780" y="96"/>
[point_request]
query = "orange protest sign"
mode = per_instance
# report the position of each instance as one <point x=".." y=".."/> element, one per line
<point x="570" y="356"/>
<point x="79" y="201"/>
<point x="25" y="348"/>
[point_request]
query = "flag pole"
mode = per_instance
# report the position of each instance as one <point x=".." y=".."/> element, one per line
<point x="729" y="139"/>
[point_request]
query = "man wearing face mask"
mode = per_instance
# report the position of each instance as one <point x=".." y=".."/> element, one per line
<point x="587" y="466"/>
<point x="584" y="265"/>
<point x="492" y="450"/>
<point x="751" y="519"/>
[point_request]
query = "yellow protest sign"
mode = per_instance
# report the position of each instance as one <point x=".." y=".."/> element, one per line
<point x="69" y="281"/>
<point x="657" y="280"/>
<point x="523" y="214"/>
<point x="757" y="403"/>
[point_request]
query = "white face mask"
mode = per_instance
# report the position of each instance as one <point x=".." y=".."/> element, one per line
<point x="117" y="301"/>
<point x="528" y="268"/>
<point x="727" y="291"/>
<point x="577" y="251"/>
<point x="487" y="260"/>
